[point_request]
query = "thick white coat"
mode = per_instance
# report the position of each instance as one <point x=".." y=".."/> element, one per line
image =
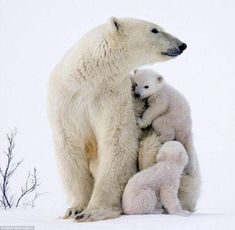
<point x="91" y="113"/>
<point x="168" y="112"/>
<point x="147" y="191"/>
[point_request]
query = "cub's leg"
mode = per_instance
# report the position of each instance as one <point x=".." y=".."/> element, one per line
<point x="170" y="201"/>
<point x="189" y="191"/>
<point x="144" y="201"/>
<point x="165" y="131"/>
<point x="192" y="167"/>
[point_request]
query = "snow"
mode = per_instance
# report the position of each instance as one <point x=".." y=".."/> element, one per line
<point x="34" y="37"/>
<point x="44" y="221"/>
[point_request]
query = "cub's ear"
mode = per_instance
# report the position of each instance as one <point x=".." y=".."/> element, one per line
<point x="135" y="71"/>
<point x="114" y="24"/>
<point x="131" y="75"/>
<point x="132" y="80"/>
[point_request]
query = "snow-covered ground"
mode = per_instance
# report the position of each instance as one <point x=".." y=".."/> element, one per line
<point x="45" y="221"/>
<point x="34" y="35"/>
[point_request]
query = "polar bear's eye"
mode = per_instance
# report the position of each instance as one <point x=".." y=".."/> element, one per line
<point x="146" y="87"/>
<point x="135" y="84"/>
<point x="154" y="30"/>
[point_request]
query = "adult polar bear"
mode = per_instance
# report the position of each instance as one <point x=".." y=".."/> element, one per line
<point x="92" y="116"/>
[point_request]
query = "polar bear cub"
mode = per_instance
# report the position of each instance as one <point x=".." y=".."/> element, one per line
<point x="149" y="190"/>
<point x="168" y="111"/>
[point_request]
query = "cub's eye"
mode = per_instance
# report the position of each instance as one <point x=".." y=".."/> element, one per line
<point x="146" y="87"/>
<point x="135" y="84"/>
<point x="154" y="30"/>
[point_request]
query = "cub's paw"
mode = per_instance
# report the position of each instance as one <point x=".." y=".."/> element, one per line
<point x="140" y="123"/>
<point x="190" y="170"/>
<point x="96" y="215"/>
<point x="72" y="212"/>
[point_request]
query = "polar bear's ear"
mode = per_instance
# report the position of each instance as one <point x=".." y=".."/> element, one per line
<point x="114" y="23"/>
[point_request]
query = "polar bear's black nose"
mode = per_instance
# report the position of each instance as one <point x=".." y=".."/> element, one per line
<point x="137" y="95"/>
<point x="182" y="47"/>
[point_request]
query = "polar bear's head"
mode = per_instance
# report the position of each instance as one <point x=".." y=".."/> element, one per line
<point x="122" y="45"/>
<point x="173" y="151"/>
<point x="144" y="41"/>
<point x="146" y="82"/>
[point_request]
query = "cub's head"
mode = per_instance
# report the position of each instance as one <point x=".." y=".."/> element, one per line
<point x="146" y="82"/>
<point x="144" y="42"/>
<point x="173" y="151"/>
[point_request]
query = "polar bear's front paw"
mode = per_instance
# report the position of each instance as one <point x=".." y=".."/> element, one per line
<point x="96" y="215"/>
<point x="72" y="212"/>
<point x="140" y="123"/>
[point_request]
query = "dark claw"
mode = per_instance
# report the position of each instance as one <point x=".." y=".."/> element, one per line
<point x="70" y="213"/>
<point x="76" y="212"/>
<point x="165" y="210"/>
<point x="79" y="216"/>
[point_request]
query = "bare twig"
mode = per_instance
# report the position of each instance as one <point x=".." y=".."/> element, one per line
<point x="30" y="186"/>
<point x="31" y="203"/>
<point x="8" y="171"/>
<point x="7" y="200"/>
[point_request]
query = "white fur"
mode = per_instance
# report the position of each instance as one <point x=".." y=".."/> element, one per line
<point x="158" y="185"/>
<point x="91" y="113"/>
<point x="149" y="145"/>
<point x="168" y="112"/>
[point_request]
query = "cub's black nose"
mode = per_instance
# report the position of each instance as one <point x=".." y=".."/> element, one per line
<point x="137" y="95"/>
<point x="182" y="47"/>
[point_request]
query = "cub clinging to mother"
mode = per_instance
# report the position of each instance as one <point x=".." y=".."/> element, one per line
<point x="168" y="111"/>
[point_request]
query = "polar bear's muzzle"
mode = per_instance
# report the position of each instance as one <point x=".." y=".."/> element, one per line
<point x="174" y="52"/>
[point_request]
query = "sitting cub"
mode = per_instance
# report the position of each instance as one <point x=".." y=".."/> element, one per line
<point x="168" y="111"/>
<point x="148" y="190"/>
